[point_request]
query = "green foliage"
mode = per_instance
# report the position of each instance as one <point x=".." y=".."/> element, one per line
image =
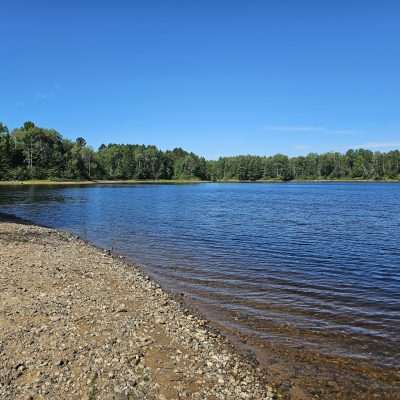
<point x="32" y="152"/>
<point x="355" y="164"/>
<point x="147" y="162"/>
<point x="5" y="152"/>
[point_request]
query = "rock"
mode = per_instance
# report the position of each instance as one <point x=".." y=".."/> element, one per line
<point x="122" y="308"/>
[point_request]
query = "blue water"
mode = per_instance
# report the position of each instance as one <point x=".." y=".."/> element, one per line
<point x="312" y="265"/>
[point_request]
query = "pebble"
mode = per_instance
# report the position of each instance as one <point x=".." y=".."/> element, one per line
<point x="78" y="323"/>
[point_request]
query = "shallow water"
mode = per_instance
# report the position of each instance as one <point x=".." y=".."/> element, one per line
<point x="308" y="265"/>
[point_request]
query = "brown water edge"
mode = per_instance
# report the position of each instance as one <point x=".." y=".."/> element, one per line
<point x="297" y="371"/>
<point x="301" y="373"/>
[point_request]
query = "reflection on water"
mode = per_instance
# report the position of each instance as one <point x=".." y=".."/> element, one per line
<point x="314" y="265"/>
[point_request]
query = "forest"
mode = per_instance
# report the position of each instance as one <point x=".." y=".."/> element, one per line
<point x="32" y="152"/>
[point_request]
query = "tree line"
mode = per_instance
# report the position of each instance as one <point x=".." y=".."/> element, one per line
<point x="32" y="152"/>
<point x="354" y="164"/>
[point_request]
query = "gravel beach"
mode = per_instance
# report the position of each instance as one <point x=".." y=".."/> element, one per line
<point x="79" y="323"/>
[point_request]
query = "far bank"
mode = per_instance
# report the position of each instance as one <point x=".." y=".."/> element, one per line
<point x="50" y="182"/>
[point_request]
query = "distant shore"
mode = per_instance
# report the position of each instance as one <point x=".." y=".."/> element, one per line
<point x="50" y="182"/>
<point x="97" y="182"/>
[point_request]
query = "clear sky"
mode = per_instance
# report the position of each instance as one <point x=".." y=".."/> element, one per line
<point x="214" y="77"/>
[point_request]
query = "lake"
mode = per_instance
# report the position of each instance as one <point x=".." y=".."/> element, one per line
<point x="314" y="266"/>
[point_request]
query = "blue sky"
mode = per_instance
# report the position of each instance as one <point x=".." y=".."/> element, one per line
<point x="214" y="77"/>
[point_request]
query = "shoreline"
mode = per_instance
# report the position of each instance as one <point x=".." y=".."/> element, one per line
<point x="45" y="182"/>
<point x="286" y="373"/>
<point x="38" y="182"/>
<point x="77" y="304"/>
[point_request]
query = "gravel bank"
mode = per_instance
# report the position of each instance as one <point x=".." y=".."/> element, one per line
<point x="78" y="323"/>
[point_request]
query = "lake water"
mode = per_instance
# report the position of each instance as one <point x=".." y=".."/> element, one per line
<point x="309" y="265"/>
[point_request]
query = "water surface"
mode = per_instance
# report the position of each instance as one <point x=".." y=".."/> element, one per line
<point x="308" y="265"/>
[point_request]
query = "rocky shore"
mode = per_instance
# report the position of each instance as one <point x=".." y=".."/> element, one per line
<point x="79" y="323"/>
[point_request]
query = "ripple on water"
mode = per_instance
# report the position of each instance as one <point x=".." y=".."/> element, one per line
<point x="313" y="265"/>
